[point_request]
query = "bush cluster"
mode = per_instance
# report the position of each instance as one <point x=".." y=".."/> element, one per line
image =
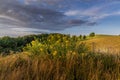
<point x="57" y="45"/>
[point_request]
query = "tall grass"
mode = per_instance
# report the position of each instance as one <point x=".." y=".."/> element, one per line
<point x="60" y="57"/>
<point x="73" y="67"/>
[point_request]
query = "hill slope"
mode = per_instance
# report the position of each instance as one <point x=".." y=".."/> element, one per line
<point x="105" y="43"/>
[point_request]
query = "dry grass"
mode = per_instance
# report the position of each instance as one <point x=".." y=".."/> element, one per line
<point x="104" y="43"/>
<point x="75" y="67"/>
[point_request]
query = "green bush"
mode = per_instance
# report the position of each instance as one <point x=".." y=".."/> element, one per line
<point x="92" y="34"/>
<point x="35" y="48"/>
<point x="56" y="46"/>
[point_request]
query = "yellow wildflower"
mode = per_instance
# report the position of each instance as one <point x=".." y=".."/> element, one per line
<point x="74" y="53"/>
<point x="57" y="42"/>
<point x="33" y="42"/>
<point x="41" y="49"/>
<point x="49" y="40"/>
<point x="70" y="51"/>
<point x="51" y="46"/>
<point x="54" y="53"/>
<point x="83" y="54"/>
<point x="67" y="41"/>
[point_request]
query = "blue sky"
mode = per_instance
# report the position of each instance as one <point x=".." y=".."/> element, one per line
<point x="75" y="17"/>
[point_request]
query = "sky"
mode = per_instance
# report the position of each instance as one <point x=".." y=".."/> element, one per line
<point x="75" y="17"/>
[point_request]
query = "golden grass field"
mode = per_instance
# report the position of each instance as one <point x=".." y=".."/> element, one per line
<point x="105" y="43"/>
<point x="76" y="67"/>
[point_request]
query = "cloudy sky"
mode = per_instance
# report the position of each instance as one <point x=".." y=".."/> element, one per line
<point x="21" y="17"/>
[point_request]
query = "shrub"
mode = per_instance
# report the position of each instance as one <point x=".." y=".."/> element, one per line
<point x="56" y="45"/>
<point x="84" y="37"/>
<point x="92" y="34"/>
<point x="80" y="37"/>
<point x="35" y="48"/>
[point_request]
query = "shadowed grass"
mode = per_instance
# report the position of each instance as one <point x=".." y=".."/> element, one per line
<point x="74" y="67"/>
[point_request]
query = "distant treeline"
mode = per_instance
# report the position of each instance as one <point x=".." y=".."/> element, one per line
<point x="8" y="44"/>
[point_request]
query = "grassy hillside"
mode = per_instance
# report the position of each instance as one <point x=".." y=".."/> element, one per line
<point x="62" y="57"/>
<point x="105" y="43"/>
<point x="73" y="67"/>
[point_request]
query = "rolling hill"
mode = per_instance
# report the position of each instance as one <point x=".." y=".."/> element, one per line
<point x="105" y="43"/>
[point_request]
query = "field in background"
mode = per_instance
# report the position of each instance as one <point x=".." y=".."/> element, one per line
<point x="105" y="43"/>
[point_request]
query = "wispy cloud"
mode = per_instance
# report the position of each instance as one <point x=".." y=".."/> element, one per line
<point x="95" y="13"/>
<point x="88" y="12"/>
<point x="105" y="15"/>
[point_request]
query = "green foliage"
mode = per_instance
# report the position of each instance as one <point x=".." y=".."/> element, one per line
<point x="56" y="45"/>
<point x="66" y="55"/>
<point x="35" y="48"/>
<point x="84" y="37"/>
<point x="8" y="44"/>
<point x="80" y="36"/>
<point x="53" y="43"/>
<point x="92" y="34"/>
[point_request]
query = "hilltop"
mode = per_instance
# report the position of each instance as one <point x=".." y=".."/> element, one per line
<point x="105" y="43"/>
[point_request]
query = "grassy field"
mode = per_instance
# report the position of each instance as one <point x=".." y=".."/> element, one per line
<point x="75" y="67"/>
<point x="61" y="57"/>
<point x="105" y="43"/>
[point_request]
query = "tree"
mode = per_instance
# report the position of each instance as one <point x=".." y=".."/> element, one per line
<point x="80" y="36"/>
<point x="92" y="34"/>
<point x="84" y="37"/>
<point x="74" y="38"/>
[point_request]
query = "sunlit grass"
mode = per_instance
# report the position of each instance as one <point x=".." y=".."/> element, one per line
<point x="105" y="43"/>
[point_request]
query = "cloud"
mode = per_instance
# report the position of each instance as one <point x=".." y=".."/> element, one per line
<point x="39" y="1"/>
<point x="12" y="12"/>
<point x="76" y="22"/>
<point x="87" y="12"/>
<point x="52" y="15"/>
<point x="104" y="15"/>
<point x="30" y="30"/>
<point x="18" y="17"/>
<point x="96" y="12"/>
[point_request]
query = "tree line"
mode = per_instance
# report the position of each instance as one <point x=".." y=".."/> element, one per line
<point x="8" y="44"/>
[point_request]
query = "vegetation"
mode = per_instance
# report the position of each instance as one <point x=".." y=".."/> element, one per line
<point x="84" y="37"/>
<point x="8" y="44"/>
<point x="105" y="43"/>
<point x="57" y="57"/>
<point x="92" y="34"/>
<point x="71" y="67"/>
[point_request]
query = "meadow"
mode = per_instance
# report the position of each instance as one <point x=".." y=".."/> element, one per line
<point x="60" y="57"/>
<point x="105" y="43"/>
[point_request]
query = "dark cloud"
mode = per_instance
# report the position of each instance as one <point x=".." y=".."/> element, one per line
<point x="92" y="23"/>
<point x="33" y="16"/>
<point x="76" y="22"/>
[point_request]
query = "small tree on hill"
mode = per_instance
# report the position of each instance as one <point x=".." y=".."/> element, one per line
<point x="80" y="36"/>
<point x="84" y="37"/>
<point x="92" y="34"/>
